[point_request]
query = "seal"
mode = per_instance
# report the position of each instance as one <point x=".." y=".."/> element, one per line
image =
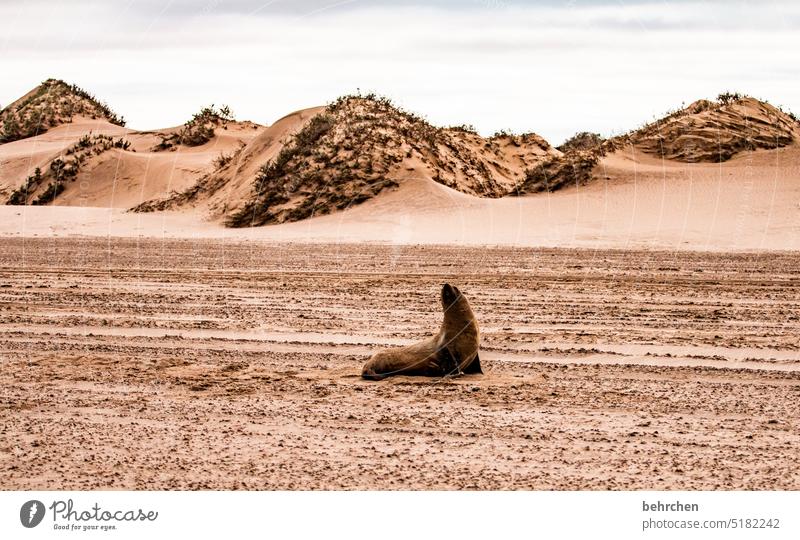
<point x="453" y="351"/>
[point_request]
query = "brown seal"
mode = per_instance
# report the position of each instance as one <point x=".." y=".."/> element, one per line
<point x="454" y="350"/>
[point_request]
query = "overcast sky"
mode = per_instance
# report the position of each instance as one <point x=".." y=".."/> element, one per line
<point x="549" y="67"/>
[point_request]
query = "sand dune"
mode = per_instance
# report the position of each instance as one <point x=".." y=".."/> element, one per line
<point x="714" y="131"/>
<point x="228" y="187"/>
<point x="751" y="202"/>
<point x="363" y="170"/>
<point x="324" y="160"/>
<point x="20" y="158"/>
<point x="139" y="174"/>
<point x="53" y="103"/>
<point x="642" y="187"/>
<point x="95" y="163"/>
<point x="113" y="177"/>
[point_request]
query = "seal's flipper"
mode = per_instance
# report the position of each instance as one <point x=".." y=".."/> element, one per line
<point x="447" y="361"/>
<point x="474" y="366"/>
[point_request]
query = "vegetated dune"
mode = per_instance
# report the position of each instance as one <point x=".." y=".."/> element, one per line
<point x="366" y="170"/>
<point x="713" y="131"/>
<point x="320" y="160"/>
<point x="335" y="158"/>
<point x="91" y="161"/>
<point x="704" y="132"/>
<point x="233" y="182"/>
<point x="750" y="202"/>
<point x="53" y="103"/>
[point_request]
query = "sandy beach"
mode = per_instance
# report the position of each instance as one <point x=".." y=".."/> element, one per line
<point x="225" y="364"/>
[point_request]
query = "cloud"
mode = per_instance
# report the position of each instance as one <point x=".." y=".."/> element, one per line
<point x="552" y="68"/>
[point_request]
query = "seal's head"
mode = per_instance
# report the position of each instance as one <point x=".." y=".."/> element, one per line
<point x="453" y="301"/>
<point x="450" y="295"/>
